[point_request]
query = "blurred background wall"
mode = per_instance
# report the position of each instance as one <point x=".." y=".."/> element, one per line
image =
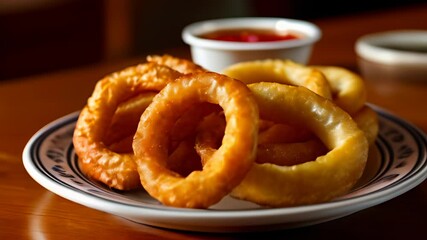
<point x="38" y="36"/>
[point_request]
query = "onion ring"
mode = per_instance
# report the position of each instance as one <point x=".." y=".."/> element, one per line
<point x="95" y="158"/>
<point x="348" y="88"/>
<point x="227" y="166"/>
<point x="330" y="175"/>
<point x="280" y="71"/>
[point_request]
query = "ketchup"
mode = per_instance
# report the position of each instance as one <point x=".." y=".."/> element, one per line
<point x="249" y="35"/>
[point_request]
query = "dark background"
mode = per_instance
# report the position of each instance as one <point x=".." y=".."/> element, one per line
<point x="39" y="36"/>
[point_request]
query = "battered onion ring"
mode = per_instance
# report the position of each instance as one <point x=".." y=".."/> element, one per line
<point x="327" y="177"/>
<point x="95" y="158"/>
<point x="280" y="71"/>
<point x="348" y="89"/>
<point x="227" y="166"/>
<point x="181" y="65"/>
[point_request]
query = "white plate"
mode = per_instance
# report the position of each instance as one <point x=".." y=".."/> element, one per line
<point x="397" y="163"/>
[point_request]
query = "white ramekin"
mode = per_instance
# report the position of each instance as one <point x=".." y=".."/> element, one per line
<point x="216" y="55"/>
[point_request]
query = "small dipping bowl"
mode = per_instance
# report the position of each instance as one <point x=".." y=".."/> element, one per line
<point x="399" y="55"/>
<point x="216" y="55"/>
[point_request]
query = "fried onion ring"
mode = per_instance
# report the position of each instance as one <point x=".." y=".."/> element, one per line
<point x="95" y="158"/>
<point x="323" y="179"/>
<point x="348" y="88"/>
<point x="226" y="167"/>
<point x="280" y="71"/>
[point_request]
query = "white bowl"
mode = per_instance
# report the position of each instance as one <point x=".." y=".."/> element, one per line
<point x="215" y="55"/>
<point x="393" y="55"/>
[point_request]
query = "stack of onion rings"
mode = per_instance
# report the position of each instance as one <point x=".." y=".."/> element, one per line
<point x="273" y="132"/>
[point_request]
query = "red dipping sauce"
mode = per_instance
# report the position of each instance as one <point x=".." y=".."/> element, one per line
<point x="250" y="35"/>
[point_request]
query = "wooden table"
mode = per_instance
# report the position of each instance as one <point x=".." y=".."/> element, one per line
<point x="28" y="211"/>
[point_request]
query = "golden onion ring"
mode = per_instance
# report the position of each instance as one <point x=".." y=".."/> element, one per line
<point x="226" y="167"/>
<point x="95" y="158"/>
<point x="280" y="71"/>
<point x="348" y="88"/>
<point x="323" y="179"/>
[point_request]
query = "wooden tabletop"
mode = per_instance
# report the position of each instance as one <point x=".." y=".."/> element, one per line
<point x="29" y="211"/>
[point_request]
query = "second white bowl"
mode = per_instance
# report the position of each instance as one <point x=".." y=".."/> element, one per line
<point x="394" y="55"/>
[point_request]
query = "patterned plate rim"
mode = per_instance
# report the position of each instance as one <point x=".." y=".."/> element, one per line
<point x="34" y="167"/>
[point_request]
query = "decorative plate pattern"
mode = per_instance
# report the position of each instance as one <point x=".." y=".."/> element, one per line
<point x="396" y="164"/>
